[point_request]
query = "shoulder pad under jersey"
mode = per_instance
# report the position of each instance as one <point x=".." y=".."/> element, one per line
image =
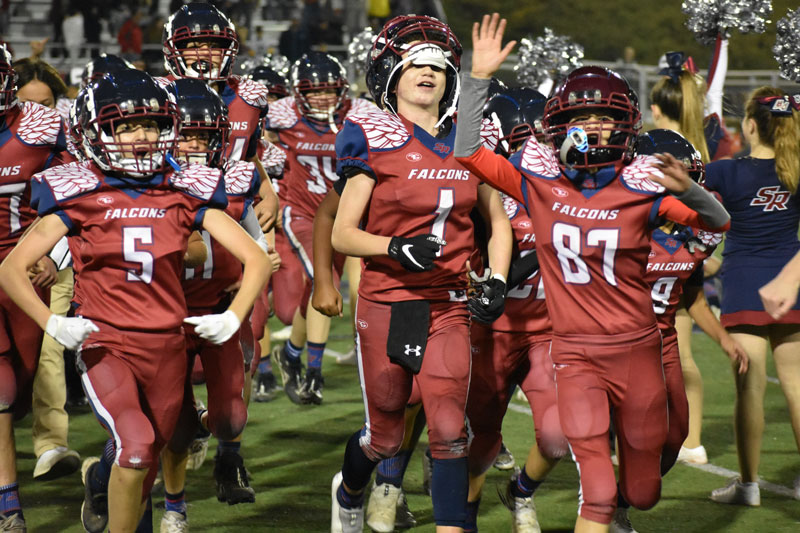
<point x="273" y="155"/>
<point x="282" y="115"/>
<point x="239" y="177"/>
<point x="539" y="159"/>
<point x="38" y="124"/>
<point x="382" y="130"/>
<point x="197" y="180"/>
<point x="251" y="92"/>
<point x="510" y="205"/>
<point x="709" y="238"/>
<point x="636" y="176"/>
<point x="359" y="106"/>
<point x="70" y="180"/>
<point x="489" y="135"/>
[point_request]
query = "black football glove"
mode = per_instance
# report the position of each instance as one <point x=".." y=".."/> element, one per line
<point x="488" y="302"/>
<point x="415" y="253"/>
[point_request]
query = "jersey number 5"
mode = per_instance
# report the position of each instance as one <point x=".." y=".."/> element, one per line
<point x="131" y="238"/>
<point x="568" y="242"/>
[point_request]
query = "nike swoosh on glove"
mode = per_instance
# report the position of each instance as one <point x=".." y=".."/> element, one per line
<point x="488" y="303"/>
<point x="417" y="253"/>
<point x="215" y="328"/>
<point x="69" y="331"/>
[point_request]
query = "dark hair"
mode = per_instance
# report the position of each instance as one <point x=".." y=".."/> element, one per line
<point x="682" y="102"/>
<point x="781" y="132"/>
<point x="29" y="69"/>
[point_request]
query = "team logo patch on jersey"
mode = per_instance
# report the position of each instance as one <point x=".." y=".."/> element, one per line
<point x="105" y="200"/>
<point x="413" y="156"/>
<point x="524" y="224"/>
<point x="560" y="192"/>
<point x="771" y="198"/>
<point x="442" y="148"/>
<point x="672" y="243"/>
<point x="362" y="323"/>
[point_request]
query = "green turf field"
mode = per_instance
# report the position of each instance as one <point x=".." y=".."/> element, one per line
<point x="293" y="451"/>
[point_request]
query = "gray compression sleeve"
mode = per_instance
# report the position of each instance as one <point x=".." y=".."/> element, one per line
<point x="470" y="115"/>
<point x="710" y="210"/>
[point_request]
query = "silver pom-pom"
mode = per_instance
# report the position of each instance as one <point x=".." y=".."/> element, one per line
<point x="358" y="49"/>
<point x="787" y="45"/>
<point x="277" y="62"/>
<point x="546" y="57"/>
<point x="709" y="18"/>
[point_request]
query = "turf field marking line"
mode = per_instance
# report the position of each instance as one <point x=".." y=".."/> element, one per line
<point x="774" y="381"/>
<point x="724" y="472"/>
<point x="332" y="353"/>
<point x="710" y="468"/>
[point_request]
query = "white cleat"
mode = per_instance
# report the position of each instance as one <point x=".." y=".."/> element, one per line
<point x="382" y="507"/>
<point x="173" y="522"/>
<point x="282" y="335"/>
<point x="693" y="456"/>
<point x="522" y="510"/>
<point x="738" y="493"/>
<point x="344" y="520"/>
<point x="56" y="463"/>
<point x="621" y="523"/>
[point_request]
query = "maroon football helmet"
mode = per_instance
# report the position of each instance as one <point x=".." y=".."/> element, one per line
<point x="590" y="104"/>
<point x="8" y="81"/>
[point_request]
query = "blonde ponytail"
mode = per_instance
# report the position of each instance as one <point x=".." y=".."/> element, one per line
<point x="683" y="102"/>
<point x="779" y="132"/>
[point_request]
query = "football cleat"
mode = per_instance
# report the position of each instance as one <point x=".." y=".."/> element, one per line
<point x="404" y="518"/>
<point x="56" y="463"/>
<point x="94" y="510"/>
<point x="504" y="461"/>
<point x="522" y="510"/>
<point x="198" y="449"/>
<point x="264" y="387"/>
<point x="738" y="493"/>
<point x="12" y="524"/>
<point x="231" y="479"/>
<point x="694" y="456"/>
<point x="291" y="373"/>
<point x="344" y="520"/>
<point x="173" y="522"/>
<point x="382" y="507"/>
<point x="311" y="390"/>
<point x="621" y="523"/>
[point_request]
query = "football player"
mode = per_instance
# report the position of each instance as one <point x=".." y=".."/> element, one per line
<point x="415" y="201"/>
<point x="305" y="125"/>
<point x="593" y="209"/>
<point x="129" y="219"/>
<point x="34" y="136"/>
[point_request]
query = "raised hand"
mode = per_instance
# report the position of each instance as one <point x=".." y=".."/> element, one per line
<point x="488" y="52"/>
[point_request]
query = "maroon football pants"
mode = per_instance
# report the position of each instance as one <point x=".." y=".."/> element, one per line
<point x="501" y="360"/>
<point x="443" y="381"/>
<point x="677" y="404"/>
<point x="594" y="372"/>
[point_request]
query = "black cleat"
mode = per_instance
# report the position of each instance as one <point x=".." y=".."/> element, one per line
<point x="291" y="373"/>
<point x="230" y="476"/>
<point x="94" y="511"/>
<point x="264" y="387"/>
<point x="311" y="391"/>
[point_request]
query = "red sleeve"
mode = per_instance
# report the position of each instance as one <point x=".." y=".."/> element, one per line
<point x="673" y="209"/>
<point x="497" y="171"/>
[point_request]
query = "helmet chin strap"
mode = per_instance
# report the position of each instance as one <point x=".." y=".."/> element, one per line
<point x="410" y="59"/>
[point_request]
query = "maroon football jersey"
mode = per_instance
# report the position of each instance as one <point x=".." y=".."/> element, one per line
<point x="128" y="238"/>
<point x="420" y="188"/>
<point x="526" y="310"/>
<point x="33" y="137"/>
<point x="310" y="169"/>
<point x="205" y="285"/>
<point x="673" y="259"/>
<point x="592" y="245"/>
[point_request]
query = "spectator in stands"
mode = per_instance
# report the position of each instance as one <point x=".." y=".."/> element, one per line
<point x="130" y="35"/>
<point x="72" y="28"/>
<point x="56" y="18"/>
<point x="294" y="41"/>
<point x="92" y="26"/>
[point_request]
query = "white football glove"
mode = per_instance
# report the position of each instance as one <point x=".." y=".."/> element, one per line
<point x="69" y="331"/>
<point x="215" y="328"/>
